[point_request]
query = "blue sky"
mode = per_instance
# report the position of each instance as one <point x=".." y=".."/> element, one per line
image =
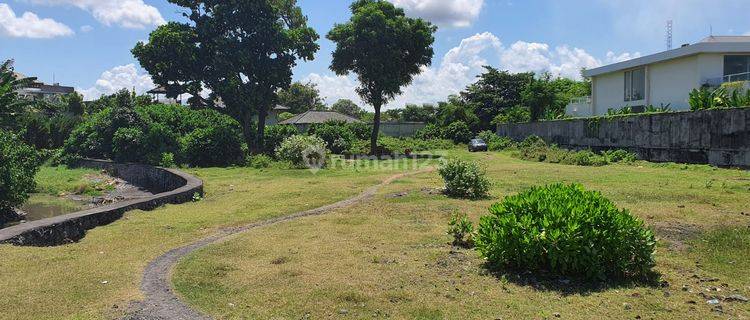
<point x="86" y="43"/>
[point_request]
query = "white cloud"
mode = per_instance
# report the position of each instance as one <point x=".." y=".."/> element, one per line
<point x="118" y="78"/>
<point x="455" y="13"/>
<point x="625" y="56"/>
<point x="134" y="14"/>
<point x="86" y="28"/>
<point x="29" y="25"/>
<point x="460" y="66"/>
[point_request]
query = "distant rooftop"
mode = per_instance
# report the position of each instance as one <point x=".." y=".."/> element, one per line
<point x="712" y="44"/>
<point x="311" y="117"/>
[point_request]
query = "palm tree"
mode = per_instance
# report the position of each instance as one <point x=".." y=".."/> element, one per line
<point x="10" y="83"/>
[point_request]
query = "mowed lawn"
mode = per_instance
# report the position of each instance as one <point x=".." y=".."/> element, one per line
<point x="391" y="258"/>
<point x="100" y="276"/>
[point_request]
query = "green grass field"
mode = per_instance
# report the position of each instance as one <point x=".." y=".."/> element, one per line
<point x="64" y="180"/>
<point x="391" y="257"/>
<point x="68" y="282"/>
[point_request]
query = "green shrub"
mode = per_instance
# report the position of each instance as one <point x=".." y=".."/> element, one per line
<point x="337" y="135"/>
<point x="464" y="180"/>
<point x="517" y="114"/>
<point x="566" y="230"/>
<point x="143" y="134"/>
<point x="723" y="97"/>
<point x="361" y="130"/>
<point x="167" y="160"/>
<point x="303" y="151"/>
<point x="620" y="155"/>
<point x="430" y="132"/>
<point x="585" y="158"/>
<point x="285" y="116"/>
<point x="402" y="145"/>
<point x="159" y="139"/>
<point x="533" y="148"/>
<point x="213" y="147"/>
<point x="128" y="145"/>
<point x="459" y="132"/>
<point x="462" y="230"/>
<point x="260" y="161"/>
<point x="19" y="163"/>
<point x="274" y="135"/>
<point x="494" y="141"/>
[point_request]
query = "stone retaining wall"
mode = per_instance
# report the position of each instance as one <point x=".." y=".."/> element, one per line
<point x="168" y="185"/>
<point x="717" y="137"/>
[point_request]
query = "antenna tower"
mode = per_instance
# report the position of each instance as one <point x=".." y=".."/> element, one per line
<point x="670" y="24"/>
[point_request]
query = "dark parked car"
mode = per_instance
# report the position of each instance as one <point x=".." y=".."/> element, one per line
<point x="477" y="145"/>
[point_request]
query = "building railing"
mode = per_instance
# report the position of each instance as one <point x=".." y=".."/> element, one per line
<point x="580" y="107"/>
<point x="717" y="82"/>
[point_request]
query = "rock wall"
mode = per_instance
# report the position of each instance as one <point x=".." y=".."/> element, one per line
<point x="716" y="137"/>
<point x="169" y="187"/>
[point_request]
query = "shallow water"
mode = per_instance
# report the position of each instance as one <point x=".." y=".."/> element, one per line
<point x="43" y="206"/>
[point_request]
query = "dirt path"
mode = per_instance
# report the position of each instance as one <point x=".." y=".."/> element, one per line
<point x="162" y="303"/>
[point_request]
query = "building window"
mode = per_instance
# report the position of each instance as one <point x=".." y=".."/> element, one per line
<point x="736" y="68"/>
<point x="635" y="84"/>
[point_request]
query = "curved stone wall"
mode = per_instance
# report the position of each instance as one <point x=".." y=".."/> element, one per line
<point x="169" y="187"/>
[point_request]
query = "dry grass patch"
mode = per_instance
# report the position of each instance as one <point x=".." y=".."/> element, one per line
<point x="391" y="257"/>
<point x="99" y="276"/>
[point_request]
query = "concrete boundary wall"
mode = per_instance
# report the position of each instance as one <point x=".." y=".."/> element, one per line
<point x="170" y="187"/>
<point x="716" y="137"/>
<point x="401" y="129"/>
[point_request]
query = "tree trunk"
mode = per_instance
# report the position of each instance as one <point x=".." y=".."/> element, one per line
<point x="375" y="131"/>
<point x="262" y="114"/>
<point x="247" y="126"/>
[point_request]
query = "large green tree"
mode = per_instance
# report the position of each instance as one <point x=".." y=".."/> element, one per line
<point x="243" y="51"/>
<point x="495" y="91"/>
<point x="415" y="113"/>
<point x="539" y="95"/>
<point x="384" y="48"/>
<point x="347" y="107"/>
<point x="301" y="97"/>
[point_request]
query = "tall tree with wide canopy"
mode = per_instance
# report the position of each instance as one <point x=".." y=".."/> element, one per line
<point x="384" y="48"/>
<point x="495" y="92"/>
<point x="243" y="51"/>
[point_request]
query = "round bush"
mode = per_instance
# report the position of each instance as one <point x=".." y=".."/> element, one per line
<point x="303" y="151"/>
<point x="464" y="180"/>
<point x="276" y="134"/>
<point x="566" y="230"/>
<point x="361" y="130"/>
<point x="18" y="166"/>
<point x="128" y="145"/>
<point x="459" y="132"/>
<point x="430" y="132"/>
<point x="337" y="135"/>
<point x="219" y="146"/>
<point x="260" y="161"/>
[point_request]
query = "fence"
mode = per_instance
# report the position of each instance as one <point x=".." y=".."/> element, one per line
<point x="717" y="137"/>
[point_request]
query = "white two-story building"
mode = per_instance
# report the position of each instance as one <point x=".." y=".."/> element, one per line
<point x="665" y="78"/>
